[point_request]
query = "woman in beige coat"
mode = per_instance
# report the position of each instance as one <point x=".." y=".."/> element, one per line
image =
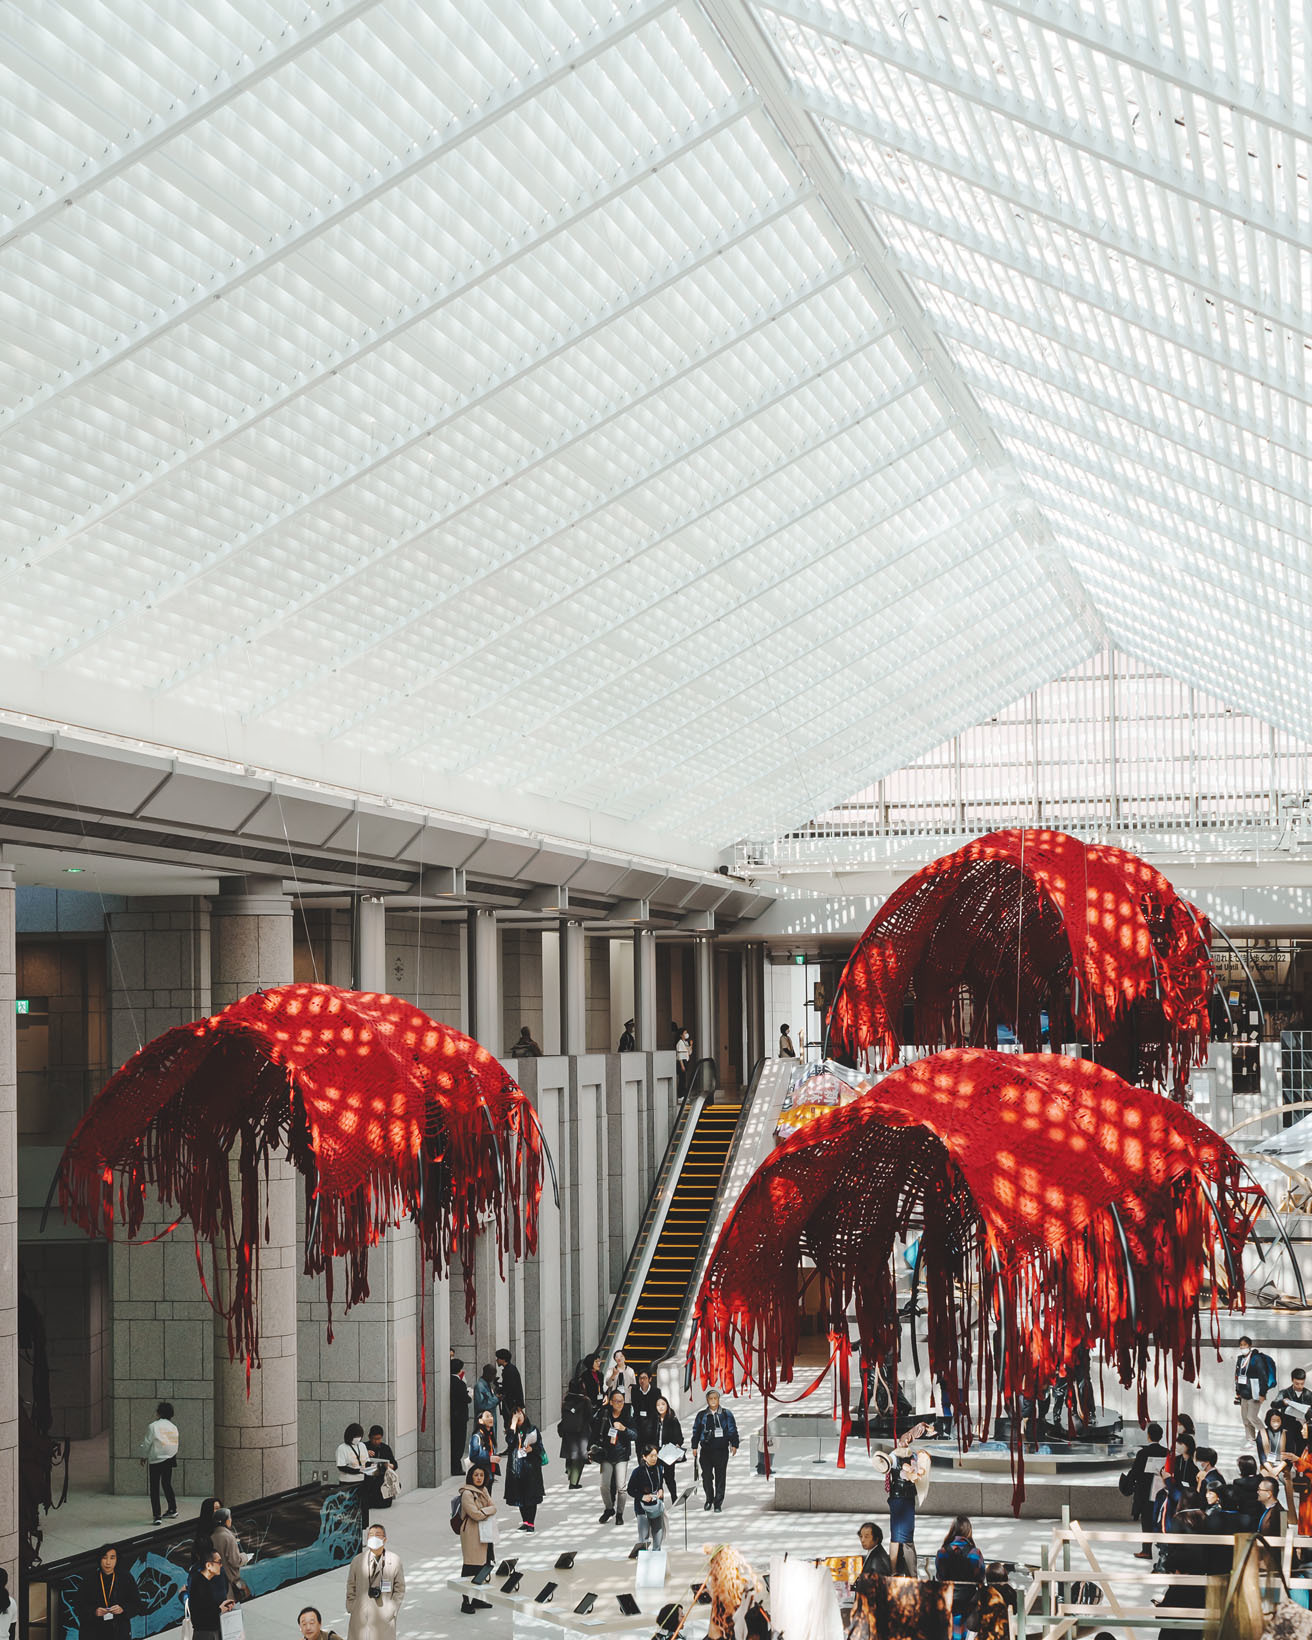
<point x="475" y="1505"/>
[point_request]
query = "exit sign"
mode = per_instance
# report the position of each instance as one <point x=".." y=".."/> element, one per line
<point x="23" y="1005"/>
<point x="798" y="958"/>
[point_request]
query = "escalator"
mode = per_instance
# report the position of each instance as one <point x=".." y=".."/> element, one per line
<point x="664" y="1291"/>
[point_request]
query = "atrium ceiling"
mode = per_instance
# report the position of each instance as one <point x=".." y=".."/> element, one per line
<point x="674" y="412"/>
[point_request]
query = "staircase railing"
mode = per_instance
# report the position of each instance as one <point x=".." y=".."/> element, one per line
<point x="703" y="1082"/>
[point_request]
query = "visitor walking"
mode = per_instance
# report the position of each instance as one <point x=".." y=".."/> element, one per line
<point x="524" y="1484"/>
<point x="575" y="1430"/>
<point x="159" y="1452"/>
<point x="375" y="1589"/>
<point x="642" y="1405"/>
<point x="615" y="1449"/>
<point x="460" y="1400"/>
<point x="647" y="1489"/>
<point x="621" y="1377"/>
<point x="715" y="1439"/>
<point x="907" y="1479"/>
<point x="1255" y="1377"/>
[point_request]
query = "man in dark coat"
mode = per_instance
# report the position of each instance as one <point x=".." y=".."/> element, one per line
<point x="510" y="1386"/>
<point x="460" y="1399"/>
<point x="1143" y="1472"/>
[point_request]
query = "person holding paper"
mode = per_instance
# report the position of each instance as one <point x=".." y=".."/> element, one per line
<point x="208" y="1598"/>
<point x="524" y="1486"/>
<point x="375" y="1588"/>
<point x="615" y="1449"/>
<point x="110" y="1599"/>
<point x="477" y="1521"/>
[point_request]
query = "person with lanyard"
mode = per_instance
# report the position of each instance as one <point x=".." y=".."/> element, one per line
<point x="110" y="1600"/>
<point x="524" y="1485"/>
<point x="1269" y="1522"/>
<point x="615" y="1449"/>
<point x="375" y="1588"/>
<point x="647" y="1489"/>
<point x="1295" y="1404"/>
<point x="669" y="1434"/>
<point x="1255" y="1375"/>
<point x="642" y="1406"/>
<point x="309" y="1620"/>
<point x="621" y="1377"/>
<point x="384" y="1460"/>
<point x="715" y="1436"/>
<point x="875" y="1563"/>
<point x="208" y="1597"/>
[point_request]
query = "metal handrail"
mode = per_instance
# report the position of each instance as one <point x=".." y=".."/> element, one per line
<point x="689" y="1108"/>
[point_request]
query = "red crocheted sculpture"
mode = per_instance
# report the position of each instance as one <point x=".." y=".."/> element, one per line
<point x="384" y="1112"/>
<point x="1020" y="922"/>
<point x="1058" y="1208"/>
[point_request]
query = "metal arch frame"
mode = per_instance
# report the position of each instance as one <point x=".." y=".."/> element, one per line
<point x="318" y="221"/>
<point x="741" y="485"/>
<point x="146" y="142"/>
<point x="1068" y="132"/>
<point x="417" y="313"/>
<point x="633" y="175"/>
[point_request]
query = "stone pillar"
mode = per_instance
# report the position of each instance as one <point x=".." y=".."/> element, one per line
<point x="703" y="1031"/>
<point x="573" y="982"/>
<point x="644" y="990"/>
<point x="484" y="980"/>
<point x="8" y="1238"/>
<point x="551" y="1008"/>
<point x="161" y="1326"/>
<point x="255" y="1435"/>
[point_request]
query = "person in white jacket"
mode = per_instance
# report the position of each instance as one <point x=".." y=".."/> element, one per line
<point x="159" y="1452"/>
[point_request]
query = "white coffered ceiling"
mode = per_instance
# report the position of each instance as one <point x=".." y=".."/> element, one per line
<point x="677" y="412"/>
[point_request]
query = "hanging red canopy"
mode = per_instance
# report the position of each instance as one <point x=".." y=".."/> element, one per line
<point x="1022" y="922"/>
<point x="385" y="1112"/>
<point x="1057" y="1208"/>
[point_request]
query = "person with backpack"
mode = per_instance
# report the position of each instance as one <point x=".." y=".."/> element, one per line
<point x="472" y="1505"/>
<point x="1255" y="1378"/>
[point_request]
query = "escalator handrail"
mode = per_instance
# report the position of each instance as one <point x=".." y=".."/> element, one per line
<point x="689" y="1109"/>
<point x="703" y="1246"/>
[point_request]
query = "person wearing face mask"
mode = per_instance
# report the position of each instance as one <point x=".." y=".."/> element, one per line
<point x="110" y="1599"/>
<point x="375" y="1588"/>
<point x="310" y="1622"/>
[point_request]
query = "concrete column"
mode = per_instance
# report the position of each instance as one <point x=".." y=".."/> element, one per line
<point x="160" y="1325"/>
<point x="551" y="1013"/>
<point x="370" y="943"/>
<point x="573" y="982"/>
<point x="484" y="980"/>
<point x="8" y="1237"/>
<point x="646" y="1027"/>
<point x="255" y="1435"/>
<point x="704" y="1045"/>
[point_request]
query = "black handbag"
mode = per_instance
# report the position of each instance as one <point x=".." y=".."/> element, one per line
<point x="1127" y="1484"/>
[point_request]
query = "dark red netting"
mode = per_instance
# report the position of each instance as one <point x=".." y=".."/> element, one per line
<point x="385" y="1113"/>
<point x="1057" y="1208"/>
<point x="1019" y="923"/>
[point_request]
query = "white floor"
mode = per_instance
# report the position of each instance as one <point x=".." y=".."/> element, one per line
<point x="417" y="1528"/>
